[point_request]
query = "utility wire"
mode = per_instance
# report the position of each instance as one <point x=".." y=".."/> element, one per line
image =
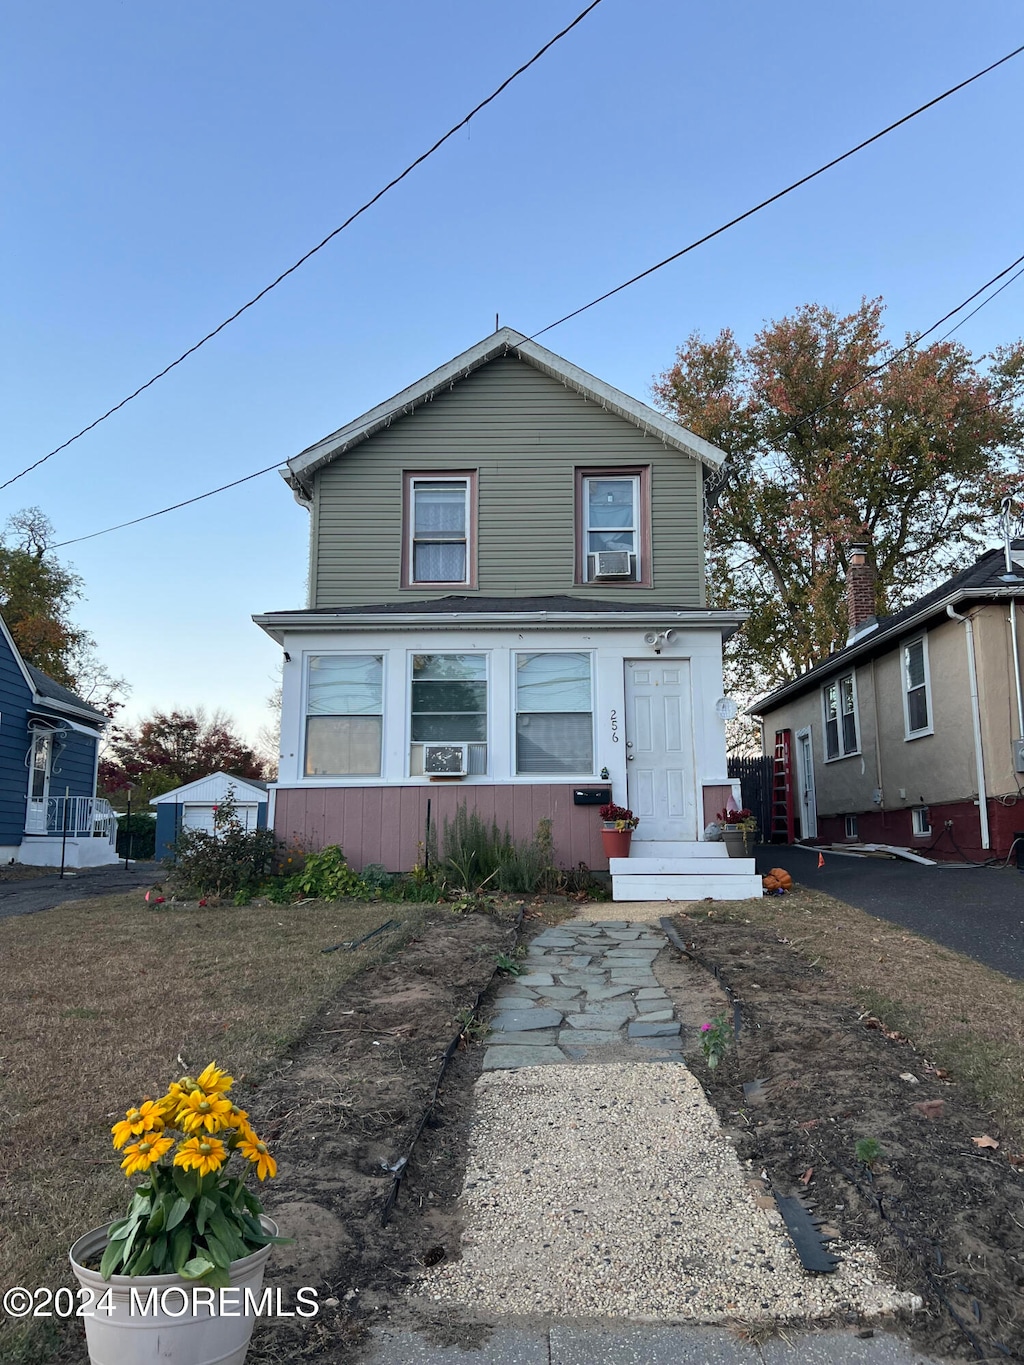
<point x="717" y="232"/>
<point x="806" y="418"/>
<point x="313" y="250"/>
<point x="708" y="236"/>
<point x="983" y="303"/>
<point x="915" y="341"/>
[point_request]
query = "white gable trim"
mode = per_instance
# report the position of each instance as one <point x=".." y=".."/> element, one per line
<point x="301" y="468"/>
<point x="244" y="791"/>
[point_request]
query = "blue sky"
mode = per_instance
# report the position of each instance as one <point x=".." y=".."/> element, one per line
<point x="163" y="163"/>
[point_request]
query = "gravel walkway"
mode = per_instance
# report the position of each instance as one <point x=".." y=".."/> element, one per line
<point x="599" y="1182"/>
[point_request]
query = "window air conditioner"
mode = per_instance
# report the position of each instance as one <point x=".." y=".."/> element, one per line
<point x="612" y="564"/>
<point x="444" y="760"/>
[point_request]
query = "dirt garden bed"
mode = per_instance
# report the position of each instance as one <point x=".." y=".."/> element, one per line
<point x="943" y="1201"/>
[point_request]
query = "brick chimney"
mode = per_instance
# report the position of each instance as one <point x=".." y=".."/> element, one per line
<point x="860" y="588"/>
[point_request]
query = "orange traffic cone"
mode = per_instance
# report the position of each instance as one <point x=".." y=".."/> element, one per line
<point x="821" y="860"/>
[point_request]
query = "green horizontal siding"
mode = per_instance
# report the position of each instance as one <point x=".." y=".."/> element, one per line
<point x="525" y="434"/>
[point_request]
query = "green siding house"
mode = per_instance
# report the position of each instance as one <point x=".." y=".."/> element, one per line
<point x="507" y="611"/>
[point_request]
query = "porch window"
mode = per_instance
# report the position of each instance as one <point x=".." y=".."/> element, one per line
<point x="344" y="715"/>
<point x="449" y="706"/>
<point x="916" y="687"/>
<point x="438" y="519"/>
<point x="921" y="821"/>
<point x="554" y="714"/>
<point x="612" y="519"/>
<point x="851" y="827"/>
<point x="839" y="699"/>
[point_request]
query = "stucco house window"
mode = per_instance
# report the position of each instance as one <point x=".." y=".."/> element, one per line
<point x="839" y="700"/>
<point x="851" y="827"/>
<point x="554" y="713"/>
<point x="917" y="709"/>
<point x="922" y="821"/>
<point x="439" y="529"/>
<point x="449" y="706"/>
<point x="344" y="715"/>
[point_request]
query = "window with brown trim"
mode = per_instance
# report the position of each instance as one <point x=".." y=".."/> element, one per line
<point x="613" y="539"/>
<point x="439" y="530"/>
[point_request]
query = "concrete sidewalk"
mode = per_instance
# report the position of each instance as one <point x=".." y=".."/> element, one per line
<point x="620" y="1344"/>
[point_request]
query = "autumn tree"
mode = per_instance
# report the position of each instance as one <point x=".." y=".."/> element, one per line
<point x="168" y="749"/>
<point x="37" y="594"/>
<point x="825" y="442"/>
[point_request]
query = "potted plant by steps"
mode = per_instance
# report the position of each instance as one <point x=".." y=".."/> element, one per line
<point x="738" y="830"/>
<point x="617" y="830"/>
<point x="178" y="1278"/>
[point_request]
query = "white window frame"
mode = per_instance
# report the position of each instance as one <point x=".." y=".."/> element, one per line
<point x="837" y="683"/>
<point x="635" y="528"/>
<point x="484" y="654"/>
<point x="928" y="729"/>
<point x="514" y="656"/>
<point x="921" y="822"/>
<point x="466" y="481"/>
<point x="851" y="827"/>
<point x="356" y="779"/>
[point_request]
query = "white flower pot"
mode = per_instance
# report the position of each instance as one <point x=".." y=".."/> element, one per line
<point x="148" y="1329"/>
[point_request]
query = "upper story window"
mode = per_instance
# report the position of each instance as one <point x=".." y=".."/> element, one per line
<point x="449" y="708"/>
<point x="612" y="526"/>
<point x="344" y="715"/>
<point x="554" y="713"/>
<point x="839" y="699"/>
<point x="439" y="515"/>
<point x="917" y="707"/>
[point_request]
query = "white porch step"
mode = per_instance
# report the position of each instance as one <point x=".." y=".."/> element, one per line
<point x="648" y="866"/>
<point x="683" y="886"/>
<point x="654" y="848"/>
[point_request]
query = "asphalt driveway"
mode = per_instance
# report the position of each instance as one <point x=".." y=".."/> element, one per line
<point x="975" y="911"/>
<point x="25" y="897"/>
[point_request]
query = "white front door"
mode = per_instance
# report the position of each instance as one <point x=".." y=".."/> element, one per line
<point x="38" y="782"/>
<point x="806" y="803"/>
<point x="660" y="782"/>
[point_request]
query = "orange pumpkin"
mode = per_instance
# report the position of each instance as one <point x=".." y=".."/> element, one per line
<point x="770" y="883"/>
<point x="782" y="878"/>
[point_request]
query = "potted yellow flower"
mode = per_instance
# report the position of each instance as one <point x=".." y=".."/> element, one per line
<point x="194" y="1240"/>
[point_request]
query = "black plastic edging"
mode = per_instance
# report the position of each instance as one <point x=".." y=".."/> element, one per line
<point x="712" y="969"/>
<point x="402" y="1165"/>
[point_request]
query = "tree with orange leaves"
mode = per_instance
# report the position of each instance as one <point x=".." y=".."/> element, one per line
<point x="824" y="442"/>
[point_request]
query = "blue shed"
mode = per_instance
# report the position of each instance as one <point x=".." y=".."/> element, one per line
<point x="193" y="807"/>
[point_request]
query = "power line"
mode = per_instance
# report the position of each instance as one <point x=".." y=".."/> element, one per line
<point x="806" y="418"/>
<point x="915" y="341"/>
<point x="717" y="232"/>
<point x="313" y="250"/>
<point x="984" y="302"/>
<point x="708" y="236"/>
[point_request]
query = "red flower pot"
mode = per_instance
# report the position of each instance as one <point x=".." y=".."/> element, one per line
<point x="616" y="842"/>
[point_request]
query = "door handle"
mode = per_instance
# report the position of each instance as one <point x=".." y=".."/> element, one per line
<point x="630" y="757"/>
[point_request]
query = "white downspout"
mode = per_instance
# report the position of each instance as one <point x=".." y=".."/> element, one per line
<point x="979" y="757"/>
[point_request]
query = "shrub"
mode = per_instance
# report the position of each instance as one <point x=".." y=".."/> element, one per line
<point x="143" y="835"/>
<point x="376" y="877"/>
<point x="471" y="851"/>
<point x="229" y="860"/>
<point x="327" y="877"/>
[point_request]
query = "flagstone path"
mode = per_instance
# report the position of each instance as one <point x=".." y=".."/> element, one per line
<point x="588" y="994"/>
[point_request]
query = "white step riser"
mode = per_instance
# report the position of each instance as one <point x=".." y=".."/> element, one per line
<point x="711" y="867"/>
<point x="654" y="848"/>
<point x="686" y="888"/>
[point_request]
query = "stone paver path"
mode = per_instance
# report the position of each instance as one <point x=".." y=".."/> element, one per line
<point x="588" y="994"/>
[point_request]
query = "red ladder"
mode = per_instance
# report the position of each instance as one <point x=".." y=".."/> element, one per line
<point x="783" y="813"/>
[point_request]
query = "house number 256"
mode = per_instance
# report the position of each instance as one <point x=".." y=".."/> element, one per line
<point x="615" y="727"/>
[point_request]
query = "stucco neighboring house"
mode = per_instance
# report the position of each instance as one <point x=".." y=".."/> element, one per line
<point x="49" y="753"/>
<point x="507" y="611"/>
<point x="913" y="734"/>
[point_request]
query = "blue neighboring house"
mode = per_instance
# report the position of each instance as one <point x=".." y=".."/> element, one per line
<point x="49" y="754"/>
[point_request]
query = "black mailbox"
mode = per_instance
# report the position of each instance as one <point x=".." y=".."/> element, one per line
<point x="591" y="796"/>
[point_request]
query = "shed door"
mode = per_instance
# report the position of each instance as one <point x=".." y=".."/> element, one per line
<point x="197" y="817"/>
<point x="660" y="782"/>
